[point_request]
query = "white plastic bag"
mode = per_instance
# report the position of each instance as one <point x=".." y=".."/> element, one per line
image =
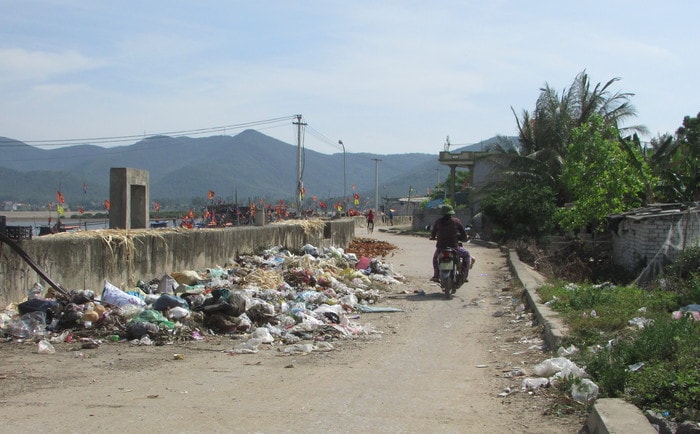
<point x="264" y="335"/>
<point x="45" y="347"/>
<point x="534" y="383"/>
<point x="584" y="392"/>
<point x="558" y="365"/>
<point x="116" y="297"/>
<point x="248" y="347"/>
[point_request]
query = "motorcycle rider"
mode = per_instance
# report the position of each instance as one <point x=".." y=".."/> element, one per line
<point x="449" y="231"/>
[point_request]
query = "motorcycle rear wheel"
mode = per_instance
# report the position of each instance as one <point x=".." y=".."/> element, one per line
<point x="447" y="286"/>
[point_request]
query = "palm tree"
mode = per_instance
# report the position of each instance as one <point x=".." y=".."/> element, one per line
<point x="544" y="134"/>
<point x="676" y="161"/>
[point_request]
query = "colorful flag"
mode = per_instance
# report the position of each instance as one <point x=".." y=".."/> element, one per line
<point x="156" y="206"/>
<point x="107" y="204"/>
<point x="60" y="210"/>
<point x="211" y="194"/>
<point x="81" y="210"/>
<point x="59" y="197"/>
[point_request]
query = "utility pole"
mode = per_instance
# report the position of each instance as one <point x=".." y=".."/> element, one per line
<point x="345" y="194"/>
<point x="300" y="182"/>
<point x="376" y="184"/>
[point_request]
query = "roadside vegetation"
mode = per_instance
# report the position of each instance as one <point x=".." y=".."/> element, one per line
<point x="577" y="162"/>
<point x="639" y="344"/>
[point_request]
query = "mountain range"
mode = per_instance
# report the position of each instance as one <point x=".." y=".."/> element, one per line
<point x="246" y="166"/>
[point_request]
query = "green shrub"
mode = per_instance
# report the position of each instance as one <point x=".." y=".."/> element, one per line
<point x="683" y="276"/>
<point x="669" y="379"/>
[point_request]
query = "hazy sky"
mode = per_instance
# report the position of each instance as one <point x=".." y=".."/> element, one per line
<point x="382" y="76"/>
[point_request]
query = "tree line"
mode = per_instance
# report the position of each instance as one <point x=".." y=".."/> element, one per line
<point x="577" y="163"/>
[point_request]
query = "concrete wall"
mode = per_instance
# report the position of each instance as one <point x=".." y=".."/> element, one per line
<point x="83" y="260"/>
<point x="654" y="241"/>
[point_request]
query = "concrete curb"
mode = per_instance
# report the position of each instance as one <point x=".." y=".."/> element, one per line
<point x="609" y="415"/>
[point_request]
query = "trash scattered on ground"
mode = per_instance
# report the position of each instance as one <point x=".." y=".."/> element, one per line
<point x="273" y="297"/>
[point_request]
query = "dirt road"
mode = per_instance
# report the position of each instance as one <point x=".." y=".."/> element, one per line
<point x="438" y="366"/>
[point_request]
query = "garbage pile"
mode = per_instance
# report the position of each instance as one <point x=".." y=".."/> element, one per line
<point x="274" y="296"/>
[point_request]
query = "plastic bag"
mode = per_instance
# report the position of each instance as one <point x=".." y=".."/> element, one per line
<point x="299" y="349"/>
<point x="563" y="352"/>
<point x="28" y="325"/>
<point x="116" y="297"/>
<point x="248" y="347"/>
<point x="166" y="301"/>
<point x="558" y="365"/>
<point x="264" y="335"/>
<point x="45" y="347"/>
<point x="178" y="313"/>
<point x="534" y="383"/>
<point x="584" y="392"/>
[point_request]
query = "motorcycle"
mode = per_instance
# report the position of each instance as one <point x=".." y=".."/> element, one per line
<point x="450" y="266"/>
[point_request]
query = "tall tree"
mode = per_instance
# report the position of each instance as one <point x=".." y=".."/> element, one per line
<point x="676" y="161"/>
<point x="597" y="175"/>
<point x="545" y="134"/>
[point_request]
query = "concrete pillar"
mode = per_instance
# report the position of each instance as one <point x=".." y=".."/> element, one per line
<point x="259" y="217"/>
<point x="129" y="198"/>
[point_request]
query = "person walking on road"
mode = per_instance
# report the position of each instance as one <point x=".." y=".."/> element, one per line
<point x="370" y="221"/>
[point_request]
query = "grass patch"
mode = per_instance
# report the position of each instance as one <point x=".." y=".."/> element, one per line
<point x="636" y="350"/>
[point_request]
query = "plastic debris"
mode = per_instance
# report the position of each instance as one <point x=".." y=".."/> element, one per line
<point x="271" y="297"/>
<point x="564" y="352"/>
<point x="45" y="347"/>
<point x="559" y="366"/>
<point x="534" y="383"/>
<point x="585" y="391"/>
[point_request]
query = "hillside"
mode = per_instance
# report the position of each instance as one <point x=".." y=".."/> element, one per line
<point x="248" y="165"/>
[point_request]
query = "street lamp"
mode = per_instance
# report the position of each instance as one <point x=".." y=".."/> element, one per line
<point x="340" y="142"/>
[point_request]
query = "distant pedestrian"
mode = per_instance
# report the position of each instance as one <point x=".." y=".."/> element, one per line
<point x="391" y="217"/>
<point x="370" y="221"/>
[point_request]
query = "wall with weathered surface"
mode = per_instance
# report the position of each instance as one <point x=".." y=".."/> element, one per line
<point x="85" y="259"/>
<point x="648" y="242"/>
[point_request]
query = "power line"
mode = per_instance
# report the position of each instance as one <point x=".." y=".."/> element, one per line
<point x="127" y="138"/>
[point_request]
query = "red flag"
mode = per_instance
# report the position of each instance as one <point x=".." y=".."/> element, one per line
<point x="81" y="210"/>
<point x="211" y="194"/>
<point x="59" y="197"/>
<point x="107" y="204"/>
